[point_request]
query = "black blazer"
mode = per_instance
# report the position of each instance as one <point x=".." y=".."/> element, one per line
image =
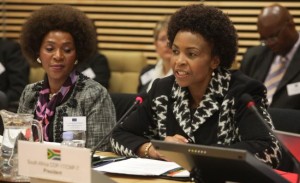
<point x="99" y="64"/>
<point x="256" y="64"/>
<point x="143" y="87"/>
<point x="15" y="76"/>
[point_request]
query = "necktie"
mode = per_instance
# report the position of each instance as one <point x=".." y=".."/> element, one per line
<point x="274" y="77"/>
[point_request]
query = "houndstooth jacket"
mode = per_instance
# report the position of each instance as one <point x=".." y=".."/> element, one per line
<point x="221" y="119"/>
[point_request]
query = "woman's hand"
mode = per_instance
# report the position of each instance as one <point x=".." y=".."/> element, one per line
<point x="148" y="151"/>
<point x="176" y="139"/>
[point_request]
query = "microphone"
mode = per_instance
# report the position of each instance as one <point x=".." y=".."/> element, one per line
<point x="138" y="100"/>
<point x="250" y="104"/>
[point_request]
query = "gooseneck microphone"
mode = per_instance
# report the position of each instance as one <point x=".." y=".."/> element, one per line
<point x="250" y="104"/>
<point x="105" y="140"/>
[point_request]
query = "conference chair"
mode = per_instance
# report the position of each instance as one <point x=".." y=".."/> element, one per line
<point x="286" y="120"/>
<point x="3" y="105"/>
<point x="3" y="100"/>
<point x="122" y="103"/>
<point x="1" y="128"/>
<point x="125" y="67"/>
<point x="36" y="74"/>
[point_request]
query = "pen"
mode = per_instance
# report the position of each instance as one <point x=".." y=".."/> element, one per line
<point x="107" y="160"/>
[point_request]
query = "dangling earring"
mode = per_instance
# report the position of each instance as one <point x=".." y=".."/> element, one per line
<point x="76" y="62"/>
<point x="39" y="60"/>
<point x="213" y="73"/>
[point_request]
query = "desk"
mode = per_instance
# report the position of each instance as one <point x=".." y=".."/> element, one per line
<point x="135" y="179"/>
<point x="292" y="177"/>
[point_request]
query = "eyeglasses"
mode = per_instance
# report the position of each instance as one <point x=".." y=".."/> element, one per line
<point x="273" y="39"/>
<point x="163" y="39"/>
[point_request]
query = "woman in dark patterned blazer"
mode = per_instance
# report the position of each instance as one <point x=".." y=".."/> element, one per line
<point x="59" y="38"/>
<point x="201" y="102"/>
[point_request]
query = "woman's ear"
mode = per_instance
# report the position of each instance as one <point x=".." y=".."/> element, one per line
<point x="215" y="62"/>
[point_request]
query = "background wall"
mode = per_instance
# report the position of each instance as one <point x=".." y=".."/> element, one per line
<point x="128" y="25"/>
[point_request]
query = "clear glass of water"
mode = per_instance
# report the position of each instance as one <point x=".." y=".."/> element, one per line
<point x="79" y="138"/>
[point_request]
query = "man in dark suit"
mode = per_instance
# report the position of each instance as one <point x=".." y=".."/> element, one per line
<point x="280" y="46"/>
<point x="14" y="74"/>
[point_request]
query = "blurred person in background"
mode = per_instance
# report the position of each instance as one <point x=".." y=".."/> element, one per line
<point x="14" y="74"/>
<point x="163" y="67"/>
<point x="277" y="61"/>
<point x="96" y="67"/>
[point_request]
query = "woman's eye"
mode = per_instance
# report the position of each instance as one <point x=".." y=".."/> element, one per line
<point x="192" y="54"/>
<point x="67" y="50"/>
<point x="175" y="52"/>
<point x="49" y="49"/>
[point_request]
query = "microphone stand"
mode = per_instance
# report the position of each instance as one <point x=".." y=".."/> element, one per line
<point x="101" y="143"/>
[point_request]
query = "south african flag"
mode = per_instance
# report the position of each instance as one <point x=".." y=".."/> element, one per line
<point x="54" y="154"/>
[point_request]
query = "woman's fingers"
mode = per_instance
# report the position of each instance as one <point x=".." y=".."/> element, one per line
<point x="176" y="139"/>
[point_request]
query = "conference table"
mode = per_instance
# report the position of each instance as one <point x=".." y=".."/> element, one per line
<point x="291" y="177"/>
<point x="120" y="178"/>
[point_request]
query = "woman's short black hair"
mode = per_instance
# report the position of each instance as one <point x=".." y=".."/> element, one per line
<point x="212" y="24"/>
<point x="63" y="18"/>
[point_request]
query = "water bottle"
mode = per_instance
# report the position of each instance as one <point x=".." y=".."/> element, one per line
<point x="79" y="138"/>
<point x="67" y="139"/>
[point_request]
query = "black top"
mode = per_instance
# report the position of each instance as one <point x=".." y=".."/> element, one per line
<point x="223" y="120"/>
<point x="14" y="70"/>
<point x="142" y="87"/>
<point x="99" y="65"/>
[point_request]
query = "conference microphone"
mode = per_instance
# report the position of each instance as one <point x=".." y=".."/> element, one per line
<point x="138" y="100"/>
<point x="250" y="104"/>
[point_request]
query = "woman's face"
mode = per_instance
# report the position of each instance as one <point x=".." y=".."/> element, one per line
<point x="192" y="62"/>
<point x="161" y="46"/>
<point x="58" y="55"/>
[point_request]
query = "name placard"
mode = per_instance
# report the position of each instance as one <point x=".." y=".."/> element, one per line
<point x="54" y="162"/>
<point x="74" y="123"/>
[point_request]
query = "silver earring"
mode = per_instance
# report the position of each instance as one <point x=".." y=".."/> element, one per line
<point x="76" y="62"/>
<point x="39" y="60"/>
<point x="213" y="73"/>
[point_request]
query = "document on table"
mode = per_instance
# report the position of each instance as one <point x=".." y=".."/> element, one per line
<point x="144" y="167"/>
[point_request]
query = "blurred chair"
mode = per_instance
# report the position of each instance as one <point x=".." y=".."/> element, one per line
<point x="4" y="100"/>
<point x="3" y="105"/>
<point x="287" y="120"/>
<point x="125" y="69"/>
<point x="36" y="74"/>
<point x="122" y="102"/>
<point x="1" y="128"/>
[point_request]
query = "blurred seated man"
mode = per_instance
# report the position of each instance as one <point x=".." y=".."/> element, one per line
<point x="14" y="74"/>
<point x="96" y="68"/>
<point x="277" y="61"/>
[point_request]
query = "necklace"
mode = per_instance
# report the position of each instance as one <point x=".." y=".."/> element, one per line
<point x="51" y="95"/>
